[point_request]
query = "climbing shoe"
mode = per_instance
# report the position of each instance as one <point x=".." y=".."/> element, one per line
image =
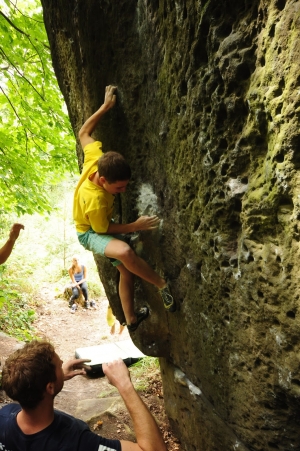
<point x="140" y="316"/>
<point x="93" y="304"/>
<point x="87" y="304"/>
<point x="168" y="300"/>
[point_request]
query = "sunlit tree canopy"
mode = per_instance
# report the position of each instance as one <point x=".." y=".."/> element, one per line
<point x="36" y="140"/>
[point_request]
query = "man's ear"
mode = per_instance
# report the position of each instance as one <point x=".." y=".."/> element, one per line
<point x="50" y="388"/>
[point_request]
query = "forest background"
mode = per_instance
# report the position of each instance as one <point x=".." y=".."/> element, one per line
<point x="38" y="170"/>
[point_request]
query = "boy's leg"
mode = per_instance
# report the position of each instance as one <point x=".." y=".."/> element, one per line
<point x="122" y="251"/>
<point x="126" y="293"/>
<point x="118" y="250"/>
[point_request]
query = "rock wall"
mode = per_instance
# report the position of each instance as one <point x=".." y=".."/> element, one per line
<point x="208" y="117"/>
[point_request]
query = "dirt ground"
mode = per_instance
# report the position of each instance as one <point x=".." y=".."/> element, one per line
<point x="89" y="328"/>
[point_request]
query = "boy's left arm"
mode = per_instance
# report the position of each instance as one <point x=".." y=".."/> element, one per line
<point x="90" y="124"/>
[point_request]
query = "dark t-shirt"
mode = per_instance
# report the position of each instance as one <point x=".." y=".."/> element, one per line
<point x="65" y="433"/>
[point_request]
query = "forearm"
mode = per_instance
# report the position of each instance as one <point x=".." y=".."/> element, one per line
<point x="5" y="251"/>
<point x="81" y="281"/>
<point x="90" y="124"/>
<point x="121" y="228"/>
<point x="142" y="223"/>
<point x="147" y="433"/>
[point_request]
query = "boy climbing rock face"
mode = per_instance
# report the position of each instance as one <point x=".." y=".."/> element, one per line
<point x="103" y="176"/>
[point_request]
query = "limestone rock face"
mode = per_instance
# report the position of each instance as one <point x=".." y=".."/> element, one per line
<point x="208" y="116"/>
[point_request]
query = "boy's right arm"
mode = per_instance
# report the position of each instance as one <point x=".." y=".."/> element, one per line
<point x="90" y="124"/>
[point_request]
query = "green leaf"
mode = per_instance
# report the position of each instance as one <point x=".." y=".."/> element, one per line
<point x="37" y="145"/>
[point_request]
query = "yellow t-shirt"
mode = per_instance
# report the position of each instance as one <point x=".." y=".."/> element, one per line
<point x="93" y="206"/>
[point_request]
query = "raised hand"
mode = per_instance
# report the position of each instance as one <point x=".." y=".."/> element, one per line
<point x="110" y="97"/>
<point x="15" y="231"/>
<point x="117" y="373"/>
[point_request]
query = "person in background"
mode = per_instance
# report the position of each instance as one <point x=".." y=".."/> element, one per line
<point x="33" y="376"/>
<point x="111" y="321"/>
<point x="78" y="275"/>
<point x="5" y="250"/>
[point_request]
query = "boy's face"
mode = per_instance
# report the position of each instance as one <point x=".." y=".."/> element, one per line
<point x="116" y="187"/>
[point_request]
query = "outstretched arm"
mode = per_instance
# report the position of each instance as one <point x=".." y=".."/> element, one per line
<point x="5" y="251"/>
<point x="90" y="124"/>
<point x="147" y="433"/>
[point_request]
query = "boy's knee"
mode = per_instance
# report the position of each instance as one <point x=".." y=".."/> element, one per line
<point x="126" y="254"/>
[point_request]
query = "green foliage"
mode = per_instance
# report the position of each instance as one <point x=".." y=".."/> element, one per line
<point x="36" y="140"/>
<point x="141" y="369"/>
<point x="44" y="250"/>
<point x="40" y="257"/>
<point x="16" y="316"/>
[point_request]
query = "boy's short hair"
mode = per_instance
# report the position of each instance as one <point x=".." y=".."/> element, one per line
<point x="114" y="167"/>
<point x="27" y="372"/>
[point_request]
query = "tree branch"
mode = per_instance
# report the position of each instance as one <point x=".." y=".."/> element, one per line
<point x="24" y="15"/>
<point x="13" y="108"/>
<point x="21" y="75"/>
<point x="13" y="25"/>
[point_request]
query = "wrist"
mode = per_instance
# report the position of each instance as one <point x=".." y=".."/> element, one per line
<point x="104" y="107"/>
<point x="132" y="227"/>
<point x="125" y="387"/>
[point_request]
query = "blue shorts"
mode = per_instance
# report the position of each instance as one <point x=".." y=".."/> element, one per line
<point x="97" y="243"/>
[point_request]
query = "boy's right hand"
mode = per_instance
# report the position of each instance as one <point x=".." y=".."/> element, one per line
<point x="147" y="222"/>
